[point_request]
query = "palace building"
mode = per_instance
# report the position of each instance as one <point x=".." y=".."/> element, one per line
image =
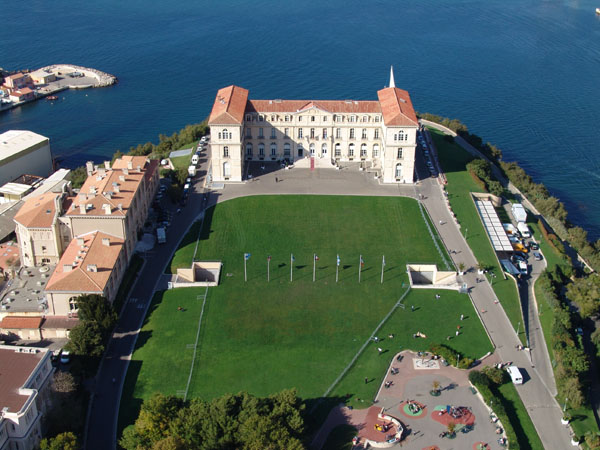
<point x="380" y="134"/>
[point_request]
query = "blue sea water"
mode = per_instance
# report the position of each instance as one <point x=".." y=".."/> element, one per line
<point x="521" y="73"/>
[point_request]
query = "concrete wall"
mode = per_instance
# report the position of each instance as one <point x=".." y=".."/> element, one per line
<point x="35" y="161"/>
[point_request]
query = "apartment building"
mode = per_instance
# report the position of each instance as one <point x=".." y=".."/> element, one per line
<point x="26" y="380"/>
<point x="381" y="133"/>
<point x="24" y="152"/>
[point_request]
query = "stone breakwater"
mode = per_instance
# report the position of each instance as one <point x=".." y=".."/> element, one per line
<point x="102" y="78"/>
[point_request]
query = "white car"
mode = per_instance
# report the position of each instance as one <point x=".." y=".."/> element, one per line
<point x="65" y="357"/>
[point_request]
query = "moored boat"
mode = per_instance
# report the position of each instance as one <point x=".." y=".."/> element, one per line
<point x="52" y="97"/>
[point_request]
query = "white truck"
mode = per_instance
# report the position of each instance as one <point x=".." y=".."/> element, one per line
<point x="519" y="213"/>
<point x="515" y="374"/>
<point x="161" y="235"/>
<point x="195" y="159"/>
<point x="523" y="229"/>
<point x="192" y="171"/>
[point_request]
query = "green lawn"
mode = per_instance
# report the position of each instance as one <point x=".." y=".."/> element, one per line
<point x="520" y="420"/>
<point x="262" y="337"/>
<point x="185" y="253"/>
<point x="454" y="159"/>
<point x="182" y="162"/>
<point x="340" y="438"/>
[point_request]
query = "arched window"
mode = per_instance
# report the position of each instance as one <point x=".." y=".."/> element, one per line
<point x="249" y="150"/>
<point x="398" y="171"/>
<point x="261" y="149"/>
<point x="324" y="150"/>
<point x="351" y="150"/>
<point x="226" y="170"/>
<point x="338" y="150"/>
<point x="375" y="150"/>
<point x="224" y="135"/>
<point x="363" y="151"/>
<point x="73" y="304"/>
<point x="300" y="150"/>
<point x="273" y="149"/>
<point x="312" y="149"/>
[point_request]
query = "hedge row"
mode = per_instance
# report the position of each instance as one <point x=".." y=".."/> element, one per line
<point x="552" y="239"/>
<point x="496" y="403"/>
<point x="451" y="356"/>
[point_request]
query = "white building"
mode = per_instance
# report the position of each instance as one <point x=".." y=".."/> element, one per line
<point x="381" y="133"/>
<point x="24" y="152"/>
<point x="25" y="382"/>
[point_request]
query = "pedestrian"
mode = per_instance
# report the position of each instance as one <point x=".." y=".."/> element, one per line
<point x="412" y="307"/>
<point x="375" y="338"/>
<point x="276" y="180"/>
<point x="457" y="332"/>
<point x="462" y="316"/>
<point x="380" y="350"/>
<point x="366" y="380"/>
<point x="114" y="380"/>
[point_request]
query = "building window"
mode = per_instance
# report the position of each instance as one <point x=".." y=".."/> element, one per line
<point x="376" y="135"/>
<point x="325" y="118"/>
<point x="338" y="133"/>
<point x="286" y="149"/>
<point x="351" y="133"/>
<point x="338" y="118"/>
<point x="248" y="117"/>
<point x="353" y="118"/>
<point x="376" y="151"/>
<point x="225" y="152"/>
<point x="351" y="150"/>
<point x="324" y="133"/>
<point x="273" y="149"/>
<point x="273" y="133"/>
<point x="299" y="133"/>
<point x="299" y="118"/>
<point x="377" y="119"/>
<point x="312" y="133"/>
<point x="249" y="133"/>
<point x="261" y="118"/>
<point x="324" y="150"/>
<point x="287" y="118"/>
<point x="312" y="118"/>
<point x="73" y="304"/>
<point x="261" y="149"/>
<point x="224" y="135"/>
<point x="248" y="149"/>
<point x="261" y="133"/>
<point x="364" y="133"/>
<point x="398" y="171"/>
<point x="273" y="118"/>
<point x="338" y="150"/>
<point x="365" y="118"/>
<point x="399" y="156"/>
<point x="363" y="151"/>
<point x="400" y="136"/>
<point x="287" y="132"/>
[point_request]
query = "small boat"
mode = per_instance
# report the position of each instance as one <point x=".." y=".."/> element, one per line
<point x="597" y="10"/>
<point x="52" y="97"/>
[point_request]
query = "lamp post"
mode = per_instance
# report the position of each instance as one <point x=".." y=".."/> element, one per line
<point x="518" y="328"/>
<point x="565" y="405"/>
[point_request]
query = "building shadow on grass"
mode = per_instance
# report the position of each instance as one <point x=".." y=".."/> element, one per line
<point x="130" y="406"/>
<point x="316" y="412"/>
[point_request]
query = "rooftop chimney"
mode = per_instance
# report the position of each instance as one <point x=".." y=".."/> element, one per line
<point x="67" y="267"/>
<point x="102" y="172"/>
<point x="107" y="165"/>
<point x="116" y="187"/>
<point x="106" y="241"/>
<point x="139" y="168"/>
<point x="126" y="171"/>
<point x="80" y="241"/>
<point x="82" y="196"/>
<point x="130" y="165"/>
<point x="92" y="268"/>
<point x="108" y="195"/>
<point x="93" y="190"/>
<point x="106" y="208"/>
<point x="89" y="167"/>
<point x="122" y="178"/>
<point x="120" y="206"/>
<point x="82" y="208"/>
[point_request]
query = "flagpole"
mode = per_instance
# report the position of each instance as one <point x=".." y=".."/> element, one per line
<point x="245" y="273"/>
<point x="359" y="266"/>
<point x="382" y="266"/>
<point x="337" y="268"/>
<point x="291" y="267"/>
<point x="314" y="266"/>
<point x="268" y="269"/>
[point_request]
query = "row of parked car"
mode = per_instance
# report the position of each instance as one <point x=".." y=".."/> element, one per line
<point x="427" y="154"/>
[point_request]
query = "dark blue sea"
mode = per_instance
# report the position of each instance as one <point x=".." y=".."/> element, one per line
<point x="522" y="74"/>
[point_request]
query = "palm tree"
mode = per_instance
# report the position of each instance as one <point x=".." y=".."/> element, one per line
<point x="461" y="268"/>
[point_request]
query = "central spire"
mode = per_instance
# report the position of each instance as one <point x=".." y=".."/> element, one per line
<point x="392" y="82"/>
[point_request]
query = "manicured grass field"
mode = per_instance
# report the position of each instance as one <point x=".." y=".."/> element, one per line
<point x="182" y="162"/>
<point x="520" y="420"/>
<point x="454" y="159"/>
<point x="261" y="336"/>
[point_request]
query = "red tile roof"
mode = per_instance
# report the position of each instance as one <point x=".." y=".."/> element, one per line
<point x="229" y="106"/>
<point x="397" y="107"/>
<point x="59" y="322"/>
<point x="92" y="252"/>
<point x="15" y="369"/>
<point x="39" y="211"/>
<point x="8" y="252"/>
<point x="20" y="322"/>
<point x="331" y="106"/>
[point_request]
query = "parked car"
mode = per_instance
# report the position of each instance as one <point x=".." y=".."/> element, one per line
<point x="537" y="256"/>
<point x="65" y="357"/>
<point x="534" y="246"/>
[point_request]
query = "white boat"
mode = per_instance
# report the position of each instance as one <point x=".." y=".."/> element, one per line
<point x="597" y="10"/>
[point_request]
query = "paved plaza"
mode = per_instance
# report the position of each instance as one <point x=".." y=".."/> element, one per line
<point x="424" y="417"/>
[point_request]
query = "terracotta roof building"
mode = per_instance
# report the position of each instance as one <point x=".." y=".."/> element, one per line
<point x="25" y="380"/>
<point x="379" y="134"/>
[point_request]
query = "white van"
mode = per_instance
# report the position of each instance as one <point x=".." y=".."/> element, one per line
<point x="515" y="374"/>
<point x="195" y="159"/>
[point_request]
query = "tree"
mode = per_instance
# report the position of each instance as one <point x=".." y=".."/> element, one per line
<point x="78" y="177"/>
<point x="64" y="382"/>
<point x="86" y="339"/>
<point x="572" y="389"/>
<point x="63" y="441"/>
<point x="494" y="374"/>
<point x="585" y="292"/>
<point x="96" y="308"/>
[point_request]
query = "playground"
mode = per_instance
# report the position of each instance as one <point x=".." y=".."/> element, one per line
<point x="456" y="418"/>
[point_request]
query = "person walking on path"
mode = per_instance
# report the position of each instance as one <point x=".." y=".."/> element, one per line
<point x="366" y="380"/>
<point x="380" y="350"/>
<point x="462" y="316"/>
